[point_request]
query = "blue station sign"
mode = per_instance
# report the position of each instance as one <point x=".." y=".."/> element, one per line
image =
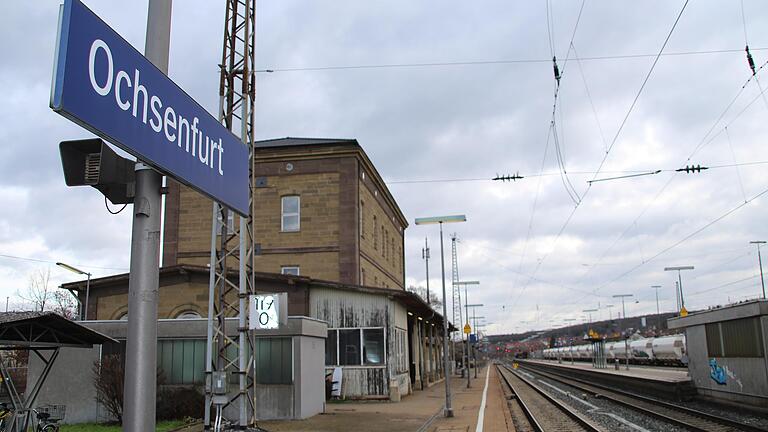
<point x="104" y="84"/>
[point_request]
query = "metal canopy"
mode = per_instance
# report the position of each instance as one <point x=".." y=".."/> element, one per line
<point x="34" y="330"/>
<point x="39" y="332"/>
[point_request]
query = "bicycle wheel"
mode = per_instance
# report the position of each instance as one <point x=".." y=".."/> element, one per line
<point x="50" y="428"/>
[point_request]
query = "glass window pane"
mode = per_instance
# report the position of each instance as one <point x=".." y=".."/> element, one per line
<point x="274" y="361"/>
<point x="290" y="205"/>
<point x="373" y="346"/>
<point x="291" y="223"/>
<point x="330" y="348"/>
<point x="176" y="376"/>
<point x="349" y="347"/>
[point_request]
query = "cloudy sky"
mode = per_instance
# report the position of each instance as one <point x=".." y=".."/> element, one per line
<point x="444" y="96"/>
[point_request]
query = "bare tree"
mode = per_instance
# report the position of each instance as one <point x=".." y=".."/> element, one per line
<point x="63" y="304"/>
<point x="422" y="292"/>
<point x="38" y="293"/>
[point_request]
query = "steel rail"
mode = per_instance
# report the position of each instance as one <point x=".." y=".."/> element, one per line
<point x="536" y="424"/>
<point x="682" y="416"/>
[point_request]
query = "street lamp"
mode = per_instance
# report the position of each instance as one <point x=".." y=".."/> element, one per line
<point x="84" y="315"/>
<point x="466" y="315"/>
<point x="448" y="411"/>
<point x="624" y="314"/>
<point x="760" y="261"/>
<point x="681" y="306"/>
<point x="473" y="306"/>
<point x="589" y="311"/>
<point x="658" y="312"/>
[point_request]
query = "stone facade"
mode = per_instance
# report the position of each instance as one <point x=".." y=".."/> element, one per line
<point x="351" y="229"/>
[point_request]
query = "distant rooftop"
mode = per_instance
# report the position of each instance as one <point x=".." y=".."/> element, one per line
<point x="293" y="141"/>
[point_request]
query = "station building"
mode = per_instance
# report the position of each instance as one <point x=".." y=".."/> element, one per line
<point x="727" y="349"/>
<point x="328" y="233"/>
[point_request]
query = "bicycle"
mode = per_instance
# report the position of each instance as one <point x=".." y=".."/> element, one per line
<point x="44" y="422"/>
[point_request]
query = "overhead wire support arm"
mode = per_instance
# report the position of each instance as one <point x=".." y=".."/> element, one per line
<point x="625" y="176"/>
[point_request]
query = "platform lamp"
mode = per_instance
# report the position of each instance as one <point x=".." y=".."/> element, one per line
<point x="473" y="306"/>
<point x="466" y="315"/>
<point x="681" y="307"/>
<point x="624" y="316"/>
<point x="760" y="262"/>
<point x="84" y="314"/>
<point x="448" y="411"/>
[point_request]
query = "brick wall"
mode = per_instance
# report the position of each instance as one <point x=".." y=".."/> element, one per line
<point x="381" y="239"/>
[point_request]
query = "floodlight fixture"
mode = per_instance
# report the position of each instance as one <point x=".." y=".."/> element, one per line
<point x="84" y="309"/>
<point x="440" y="219"/>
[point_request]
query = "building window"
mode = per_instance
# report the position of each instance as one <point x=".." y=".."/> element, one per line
<point x="354" y="347"/>
<point x="362" y="276"/>
<point x="401" y="356"/>
<point x="181" y="361"/>
<point x="188" y="314"/>
<point x="362" y="219"/>
<point x="383" y="242"/>
<point x="375" y="234"/>
<point x="290" y="214"/>
<point x="331" y="348"/>
<point x="349" y="347"/>
<point x="289" y="270"/>
<point x="373" y="346"/>
<point x="735" y="338"/>
<point x="274" y="360"/>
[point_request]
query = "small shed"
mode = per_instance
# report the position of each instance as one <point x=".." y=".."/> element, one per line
<point x="727" y="352"/>
<point x="42" y="334"/>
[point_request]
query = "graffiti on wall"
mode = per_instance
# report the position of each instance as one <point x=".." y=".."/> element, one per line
<point x="721" y="374"/>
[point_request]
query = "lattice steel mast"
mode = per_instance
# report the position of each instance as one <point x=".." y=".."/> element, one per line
<point x="455" y="287"/>
<point x="227" y="298"/>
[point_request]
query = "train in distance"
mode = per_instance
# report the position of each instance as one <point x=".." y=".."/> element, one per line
<point x="663" y="351"/>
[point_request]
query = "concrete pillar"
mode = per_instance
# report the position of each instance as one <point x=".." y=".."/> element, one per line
<point x="423" y="355"/>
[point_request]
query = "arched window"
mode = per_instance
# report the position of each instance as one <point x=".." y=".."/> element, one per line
<point x="188" y="314"/>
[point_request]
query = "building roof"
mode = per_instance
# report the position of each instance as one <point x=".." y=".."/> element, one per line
<point x="46" y="330"/>
<point x="295" y="141"/>
<point x="411" y="300"/>
<point x="744" y="309"/>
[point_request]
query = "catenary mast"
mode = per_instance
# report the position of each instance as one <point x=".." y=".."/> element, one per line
<point x="232" y="237"/>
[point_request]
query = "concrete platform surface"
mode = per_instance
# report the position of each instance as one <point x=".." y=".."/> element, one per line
<point x="422" y="411"/>
<point x="660" y="373"/>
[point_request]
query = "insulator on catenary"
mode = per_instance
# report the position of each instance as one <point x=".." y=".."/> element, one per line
<point x="750" y="60"/>
<point x="557" y="69"/>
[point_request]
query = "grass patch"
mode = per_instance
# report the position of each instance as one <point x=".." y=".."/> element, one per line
<point x="163" y="426"/>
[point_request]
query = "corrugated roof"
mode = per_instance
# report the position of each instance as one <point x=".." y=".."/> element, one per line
<point x="294" y="141"/>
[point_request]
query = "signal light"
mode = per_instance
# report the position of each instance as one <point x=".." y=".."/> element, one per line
<point x="91" y="162"/>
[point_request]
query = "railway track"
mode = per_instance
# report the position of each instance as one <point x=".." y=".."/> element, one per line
<point x="535" y="410"/>
<point x="685" y="417"/>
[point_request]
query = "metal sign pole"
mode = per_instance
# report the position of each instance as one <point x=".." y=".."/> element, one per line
<point x="141" y="352"/>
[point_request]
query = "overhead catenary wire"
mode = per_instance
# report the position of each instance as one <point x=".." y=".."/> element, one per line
<point x="44" y="261"/>
<point x="613" y="141"/>
<point x="457" y="63"/>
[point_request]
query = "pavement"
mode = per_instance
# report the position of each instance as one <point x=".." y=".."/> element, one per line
<point x="422" y="411"/>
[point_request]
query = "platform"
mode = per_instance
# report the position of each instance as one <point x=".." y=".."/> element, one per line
<point x="422" y="411"/>
<point x="666" y="382"/>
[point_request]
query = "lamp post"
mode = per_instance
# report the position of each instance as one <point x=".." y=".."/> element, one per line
<point x="658" y="311"/>
<point x="448" y="411"/>
<point x="466" y="315"/>
<point x="589" y="311"/>
<point x="681" y="306"/>
<point x="624" y="314"/>
<point x="760" y="261"/>
<point x="473" y="306"/>
<point x="425" y="256"/>
<point x="84" y="311"/>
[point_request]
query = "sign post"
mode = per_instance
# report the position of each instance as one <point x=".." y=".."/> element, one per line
<point x="105" y="85"/>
